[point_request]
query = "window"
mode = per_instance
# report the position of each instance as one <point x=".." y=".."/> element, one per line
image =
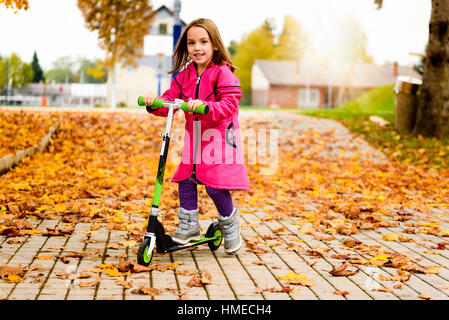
<point x="163" y="28"/>
<point x="309" y="98"/>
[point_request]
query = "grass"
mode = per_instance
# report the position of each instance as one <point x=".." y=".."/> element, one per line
<point x="378" y="102"/>
<point x="400" y="146"/>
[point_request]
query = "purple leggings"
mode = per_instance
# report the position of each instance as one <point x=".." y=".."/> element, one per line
<point x="188" y="198"/>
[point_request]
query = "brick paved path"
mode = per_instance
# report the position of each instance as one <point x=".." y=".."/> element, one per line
<point x="246" y="275"/>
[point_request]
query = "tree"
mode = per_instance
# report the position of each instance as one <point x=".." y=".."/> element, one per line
<point x="98" y="73"/>
<point x="121" y="26"/>
<point x="90" y="70"/>
<point x="432" y="118"/>
<point x="18" y="4"/>
<point x="62" y="71"/>
<point x="2" y="74"/>
<point x="19" y="73"/>
<point x="232" y="47"/>
<point x="38" y="72"/>
<point x="292" y="42"/>
<point x="258" y="44"/>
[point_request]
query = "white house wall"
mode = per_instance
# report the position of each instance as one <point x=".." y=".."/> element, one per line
<point x="134" y="82"/>
<point x="258" y="79"/>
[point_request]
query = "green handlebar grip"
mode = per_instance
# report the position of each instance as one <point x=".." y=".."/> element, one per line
<point x="140" y="101"/>
<point x="202" y="109"/>
<point x="159" y="103"/>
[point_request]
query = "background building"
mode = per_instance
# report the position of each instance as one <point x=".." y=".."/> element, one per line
<point x="310" y="84"/>
<point x="150" y="73"/>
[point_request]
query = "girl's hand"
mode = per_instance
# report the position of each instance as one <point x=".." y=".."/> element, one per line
<point x="149" y="99"/>
<point x="193" y="104"/>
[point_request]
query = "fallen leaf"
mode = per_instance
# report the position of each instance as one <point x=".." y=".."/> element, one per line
<point x="199" y="281"/>
<point x="341" y="271"/>
<point x="321" y="252"/>
<point x="44" y="256"/>
<point x="257" y="250"/>
<point x="14" y="278"/>
<point x="295" y="247"/>
<point x="341" y="293"/>
<point x="252" y="242"/>
<point x="391" y="237"/>
<point x="147" y="291"/>
<point x="129" y="243"/>
<point x="124" y="283"/>
<point x="279" y="230"/>
<point x="297" y="279"/>
<point x="90" y="284"/>
<point x="6" y="270"/>
<point x="184" y="272"/>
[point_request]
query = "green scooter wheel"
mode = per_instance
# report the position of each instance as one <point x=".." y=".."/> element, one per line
<point x="143" y="256"/>
<point x="214" y="231"/>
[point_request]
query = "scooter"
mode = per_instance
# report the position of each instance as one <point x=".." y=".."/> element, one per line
<point x="155" y="236"/>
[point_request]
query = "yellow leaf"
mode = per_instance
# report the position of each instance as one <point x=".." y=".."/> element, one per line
<point x="432" y="270"/>
<point x="33" y="231"/>
<point x="113" y="272"/>
<point x="290" y="276"/>
<point x="297" y="279"/>
<point x="60" y="207"/>
<point x="44" y="256"/>
<point x="391" y="237"/>
<point x="14" y="278"/>
<point x="173" y="265"/>
<point x="129" y="243"/>
<point x="381" y="257"/>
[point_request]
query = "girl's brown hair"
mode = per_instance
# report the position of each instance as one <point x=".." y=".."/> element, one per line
<point x="221" y="55"/>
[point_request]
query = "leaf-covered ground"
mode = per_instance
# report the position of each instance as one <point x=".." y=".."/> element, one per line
<point x="20" y="129"/>
<point x="322" y="182"/>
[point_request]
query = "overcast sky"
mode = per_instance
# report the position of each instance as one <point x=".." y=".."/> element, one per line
<point x="55" y="28"/>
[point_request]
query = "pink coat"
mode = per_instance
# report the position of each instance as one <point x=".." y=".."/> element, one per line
<point x="219" y="161"/>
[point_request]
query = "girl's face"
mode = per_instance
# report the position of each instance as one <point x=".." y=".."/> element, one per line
<point x="199" y="47"/>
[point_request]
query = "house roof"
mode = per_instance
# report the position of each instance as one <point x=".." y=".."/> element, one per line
<point x="171" y="12"/>
<point x="298" y="73"/>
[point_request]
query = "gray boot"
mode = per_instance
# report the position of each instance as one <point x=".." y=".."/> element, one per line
<point x="231" y="232"/>
<point x="188" y="228"/>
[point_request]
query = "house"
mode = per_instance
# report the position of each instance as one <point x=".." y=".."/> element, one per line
<point x="150" y="73"/>
<point x="310" y="84"/>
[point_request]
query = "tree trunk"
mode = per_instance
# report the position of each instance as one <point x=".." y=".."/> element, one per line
<point x="432" y="117"/>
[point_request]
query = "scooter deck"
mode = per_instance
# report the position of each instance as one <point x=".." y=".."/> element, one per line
<point x="203" y="240"/>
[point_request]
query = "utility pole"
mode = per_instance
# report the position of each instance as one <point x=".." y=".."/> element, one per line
<point x="177" y="27"/>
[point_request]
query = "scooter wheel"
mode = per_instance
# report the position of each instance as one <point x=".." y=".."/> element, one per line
<point x="143" y="256"/>
<point x="214" y="231"/>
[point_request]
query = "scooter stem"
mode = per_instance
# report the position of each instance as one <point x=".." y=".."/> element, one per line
<point x="162" y="161"/>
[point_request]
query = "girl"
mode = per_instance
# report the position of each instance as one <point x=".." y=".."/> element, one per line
<point x="206" y="78"/>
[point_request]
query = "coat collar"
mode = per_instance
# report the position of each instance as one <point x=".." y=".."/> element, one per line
<point x="192" y="66"/>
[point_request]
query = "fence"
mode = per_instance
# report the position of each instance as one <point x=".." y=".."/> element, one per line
<point x="67" y="94"/>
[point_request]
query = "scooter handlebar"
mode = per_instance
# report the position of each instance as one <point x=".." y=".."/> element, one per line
<point x="160" y="103"/>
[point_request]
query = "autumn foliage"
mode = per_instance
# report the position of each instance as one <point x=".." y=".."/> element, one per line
<point x="121" y="26"/>
<point x="20" y="130"/>
<point x="100" y="169"/>
<point x="17" y="4"/>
